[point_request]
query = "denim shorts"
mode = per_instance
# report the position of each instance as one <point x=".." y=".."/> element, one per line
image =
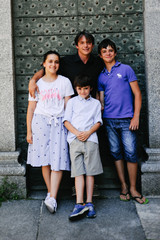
<point x="122" y="141"/>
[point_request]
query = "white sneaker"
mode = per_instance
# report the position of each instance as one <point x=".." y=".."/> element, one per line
<point x="51" y="204"/>
<point x="47" y="197"/>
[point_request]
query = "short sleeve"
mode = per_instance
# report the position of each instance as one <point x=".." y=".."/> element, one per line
<point x="68" y="88"/>
<point x="33" y="99"/>
<point x="98" y="114"/>
<point x="68" y="111"/>
<point x="131" y="74"/>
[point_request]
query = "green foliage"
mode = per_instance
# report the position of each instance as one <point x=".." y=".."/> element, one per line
<point x="8" y="191"/>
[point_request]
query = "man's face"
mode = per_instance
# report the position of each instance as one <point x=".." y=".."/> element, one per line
<point x="108" y="54"/>
<point x="84" y="46"/>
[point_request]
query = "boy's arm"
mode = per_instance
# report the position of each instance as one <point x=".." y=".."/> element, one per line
<point x="70" y="128"/>
<point x="101" y="98"/>
<point x="30" y="111"/>
<point x="32" y="83"/>
<point x="83" y="136"/>
<point x="134" y="124"/>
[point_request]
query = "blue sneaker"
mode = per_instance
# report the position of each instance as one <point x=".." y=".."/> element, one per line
<point x="91" y="213"/>
<point x="78" y="212"/>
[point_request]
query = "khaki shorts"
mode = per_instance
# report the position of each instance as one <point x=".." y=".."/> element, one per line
<point x="85" y="158"/>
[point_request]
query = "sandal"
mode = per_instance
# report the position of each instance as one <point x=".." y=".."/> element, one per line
<point x="124" y="194"/>
<point x="140" y="197"/>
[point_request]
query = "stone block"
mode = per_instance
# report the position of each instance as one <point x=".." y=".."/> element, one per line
<point x="152" y="54"/>
<point x="15" y="173"/>
<point x="150" y="183"/>
<point x="7" y="119"/>
<point x="152" y="5"/>
<point x="151" y="173"/>
<point x="152" y="29"/>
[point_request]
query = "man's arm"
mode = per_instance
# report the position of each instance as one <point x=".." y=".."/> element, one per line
<point x="32" y="83"/>
<point x="134" y="125"/>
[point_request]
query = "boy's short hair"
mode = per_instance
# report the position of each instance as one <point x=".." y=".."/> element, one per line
<point x="87" y="35"/>
<point x="82" y="80"/>
<point x="105" y="43"/>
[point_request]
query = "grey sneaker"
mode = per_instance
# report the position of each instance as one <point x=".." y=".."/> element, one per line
<point x="51" y="204"/>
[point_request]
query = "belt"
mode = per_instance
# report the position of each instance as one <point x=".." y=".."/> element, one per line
<point x="55" y="120"/>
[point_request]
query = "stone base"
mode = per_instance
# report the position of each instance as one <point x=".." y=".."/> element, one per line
<point x="151" y="173"/>
<point x="15" y="173"/>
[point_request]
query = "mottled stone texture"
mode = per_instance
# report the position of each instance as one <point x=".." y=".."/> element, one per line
<point x="10" y="168"/>
<point x="7" y="119"/>
<point x="151" y="172"/>
<point x="152" y="56"/>
<point x="9" y="165"/>
<point x="151" y="168"/>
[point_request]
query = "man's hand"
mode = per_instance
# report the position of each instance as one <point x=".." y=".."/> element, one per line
<point x="134" y="124"/>
<point x="33" y="88"/>
<point x="32" y="83"/>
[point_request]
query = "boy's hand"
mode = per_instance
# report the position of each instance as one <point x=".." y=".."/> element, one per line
<point x="134" y="124"/>
<point x="33" y="88"/>
<point x="102" y="108"/>
<point x="29" y="138"/>
<point x="83" y="136"/>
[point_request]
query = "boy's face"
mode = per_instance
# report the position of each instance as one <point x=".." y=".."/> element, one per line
<point x="85" y="46"/>
<point x="83" y="92"/>
<point x="108" y="54"/>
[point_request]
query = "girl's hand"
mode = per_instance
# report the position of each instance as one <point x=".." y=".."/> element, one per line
<point x="29" y="138"/>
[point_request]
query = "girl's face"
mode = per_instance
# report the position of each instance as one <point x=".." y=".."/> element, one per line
<point x="51" y="64"/>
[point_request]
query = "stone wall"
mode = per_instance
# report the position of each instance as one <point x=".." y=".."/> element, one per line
<point x="9" y="165"/>
<point x="7" y="119"/>
<point x="151" y="169"/>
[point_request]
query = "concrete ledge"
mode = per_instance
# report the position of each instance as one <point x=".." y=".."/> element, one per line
<point x="10" y="168"/>
<point x="151" y="173"/>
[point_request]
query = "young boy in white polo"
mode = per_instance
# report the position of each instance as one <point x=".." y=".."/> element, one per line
<point x="82" y="119"/>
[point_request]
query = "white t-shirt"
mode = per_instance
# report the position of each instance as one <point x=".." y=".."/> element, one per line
<point x="50" y="99"/>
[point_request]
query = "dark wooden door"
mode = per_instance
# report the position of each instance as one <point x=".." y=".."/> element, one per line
<point x="42" y="25"/>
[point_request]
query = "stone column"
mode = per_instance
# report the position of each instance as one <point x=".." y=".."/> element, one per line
<point x="151" y="168"/>
<point x="9" y="165"/>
